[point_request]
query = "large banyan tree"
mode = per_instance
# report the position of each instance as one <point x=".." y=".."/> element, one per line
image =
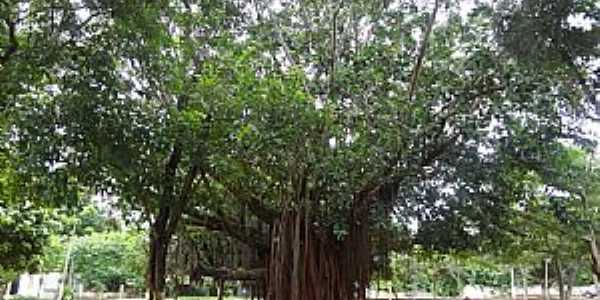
<point x="308" y="132"/>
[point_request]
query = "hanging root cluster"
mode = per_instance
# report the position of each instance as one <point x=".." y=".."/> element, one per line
<point x="309" y="263"/>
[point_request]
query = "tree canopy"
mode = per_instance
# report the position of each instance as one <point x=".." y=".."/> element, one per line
<point x="321" y="127"/>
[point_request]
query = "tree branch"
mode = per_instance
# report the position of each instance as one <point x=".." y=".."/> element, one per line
<point x="12" y="41"/>
<point x="254" y="202"/>
<point x="184" y="196"/>
<point x="431" y="151"/>
<point x="164" y="211"/>
<point x="333" y="51"/>
<point x="247" y="235"/>
<point x="422" y="52"/>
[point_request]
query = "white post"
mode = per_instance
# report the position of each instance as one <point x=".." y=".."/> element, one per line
<point x="546" y="287"/>
<point x="513" y="292"/>
<point x="121" y="291"/>
<point x="596" y="286"/>
<point x="40" y="286"/>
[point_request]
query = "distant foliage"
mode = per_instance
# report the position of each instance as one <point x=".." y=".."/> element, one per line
<point x="103" y="261"/>
<point x="446" y="275"/>
<point x="23" y="227"/>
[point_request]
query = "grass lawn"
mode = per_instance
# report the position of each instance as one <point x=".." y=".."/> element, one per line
<point x="208" y="298"/>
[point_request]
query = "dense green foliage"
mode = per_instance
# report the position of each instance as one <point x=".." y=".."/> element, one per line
<point x="23" y="234"/>
<point x="348" y="122"/>
<point x="103" y="261"/>
<point x="558" y="220"/>
<point x="73" y="225"/>
<point x="446" y="275"/>
<point x="23" y="227"/>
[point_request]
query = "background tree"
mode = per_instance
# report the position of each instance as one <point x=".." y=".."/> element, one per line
<point x="104" y="261"/>
<point x="447" y="274"/>
<point x="24" y="226"/>
<point x="553" y="219"/>
<point x="115" y="60"/>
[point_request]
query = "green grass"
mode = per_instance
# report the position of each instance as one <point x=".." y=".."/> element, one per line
<point x="207" y="298"/>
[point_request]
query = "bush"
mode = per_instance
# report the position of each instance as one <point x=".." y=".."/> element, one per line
<point x="68" y="294"/>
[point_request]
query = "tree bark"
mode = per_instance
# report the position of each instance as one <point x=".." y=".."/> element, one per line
<point x="13" y="44"/>
<point x="167" y="218"/>
<point x="309" y="263"/>
<point x="157" y="261"/>
<point x="220" y="290"/>
<point x="571" y="274"/>
<point x="594" y="253"/>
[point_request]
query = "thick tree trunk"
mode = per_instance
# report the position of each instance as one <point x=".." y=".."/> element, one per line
<point x="308" y="263"/>
<point x="157" y="261"/>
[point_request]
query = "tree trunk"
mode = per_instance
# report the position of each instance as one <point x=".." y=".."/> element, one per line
<point x="157" y="261"/>
<point x="594" y="253"/>
<point x="525" y="291"/>
<point x="561" y="281"/>
<point x="308" y="263"/>
<point x="220" y="289"/>
<point x="571" y="276"/>
<point x="4" y="287"/>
